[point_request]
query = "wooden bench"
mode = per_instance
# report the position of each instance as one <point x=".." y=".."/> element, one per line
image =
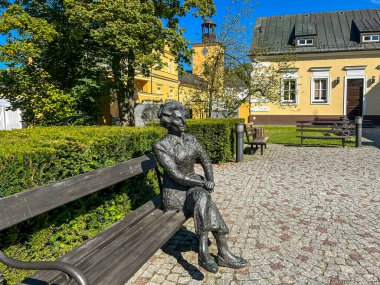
<point x="328" y="130"/>
<point x="114" y="255"/>
<point x="256" y="137"/>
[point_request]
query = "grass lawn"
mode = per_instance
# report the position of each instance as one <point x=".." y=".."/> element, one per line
<point x="288" y="135"/>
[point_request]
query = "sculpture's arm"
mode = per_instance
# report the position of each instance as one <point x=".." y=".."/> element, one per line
<point x="171" y="169"/>
<point x="205" y="162"/>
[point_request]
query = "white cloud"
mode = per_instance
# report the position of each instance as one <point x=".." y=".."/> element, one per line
<point x="376" y="1"/>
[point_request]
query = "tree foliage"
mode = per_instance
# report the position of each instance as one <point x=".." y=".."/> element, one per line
<point x="234" y="74"/>
<point x="87" y="48"/>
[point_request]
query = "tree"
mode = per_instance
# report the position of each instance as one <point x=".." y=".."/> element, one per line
<point x="45" y="58"/>
<point x="99" y="45"/>
<point x="231" y="78"/>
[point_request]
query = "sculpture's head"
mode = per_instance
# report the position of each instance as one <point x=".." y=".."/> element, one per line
<point x="172" y="117"/>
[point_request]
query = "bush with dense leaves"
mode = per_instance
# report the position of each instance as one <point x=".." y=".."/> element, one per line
<point x="38" y="156"/>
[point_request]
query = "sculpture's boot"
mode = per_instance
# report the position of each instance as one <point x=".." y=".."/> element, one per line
<point x="204" y="257"/>
<point x="225" y="257"/>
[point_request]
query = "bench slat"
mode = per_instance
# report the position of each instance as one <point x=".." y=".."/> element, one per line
<point x="325" y="126"/>
<point x="323" y="122"/>
<point x="323" y="131"/>
<point x="323" y="137"/>
<point x="23" y="206"/>
<point x="98" y="242"/>
<point x="101" y="262"/>
<point x="125" y="269"/>
<point x="260" y="140"/>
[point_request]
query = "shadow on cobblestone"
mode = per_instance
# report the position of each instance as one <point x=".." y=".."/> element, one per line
<point x="372" y="137"/>
<point x="184" y="241"/>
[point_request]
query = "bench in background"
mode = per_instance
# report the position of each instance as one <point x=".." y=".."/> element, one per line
<point x="115" y="254"/>
<point x="256" y="137"/>
<point x="336" y="130"/>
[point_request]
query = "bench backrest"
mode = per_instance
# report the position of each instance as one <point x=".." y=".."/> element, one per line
<point x="343" y="125"/>
<point x="23" y="206"/>
<point x="253" y="133"/>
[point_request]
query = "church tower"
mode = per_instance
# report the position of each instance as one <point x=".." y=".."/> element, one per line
<point x="203" y="52"/>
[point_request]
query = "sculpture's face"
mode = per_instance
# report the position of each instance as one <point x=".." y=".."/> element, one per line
<point x="177" y="122"/>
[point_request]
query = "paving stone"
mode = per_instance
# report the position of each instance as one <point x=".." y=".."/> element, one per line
<point x="299" y="215"/>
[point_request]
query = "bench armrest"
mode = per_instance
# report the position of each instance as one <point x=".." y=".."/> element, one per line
<point x="68" y="269"/>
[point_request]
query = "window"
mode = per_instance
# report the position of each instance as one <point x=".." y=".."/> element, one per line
<point x="371" y="38"/>
<point x="305" y="42"/>
<point x="289" y="90"/>
<point x="171" y="66"/>
<point x="171" y="94"/>
<point x="159" y="90"/>
<point x="320" y="90"/>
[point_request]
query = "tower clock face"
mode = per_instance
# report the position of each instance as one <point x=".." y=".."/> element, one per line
<point x="205" y="51"/>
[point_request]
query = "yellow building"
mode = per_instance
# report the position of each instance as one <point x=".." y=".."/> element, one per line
<point x="162" y="85"/>
<point x="337" y="70"/>
<point x="167" y="84"/>
<point x="192" y="95"/>
<point x="208" y="64"/>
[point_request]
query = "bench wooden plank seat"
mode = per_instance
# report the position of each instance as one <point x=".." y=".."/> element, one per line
<point x="115" y="254"/>
<point x="253" y="139"/>
<point x="330" y="129"/>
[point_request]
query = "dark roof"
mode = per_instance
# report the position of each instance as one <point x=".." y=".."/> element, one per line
<point x="305" y="29"/>
<point x="368" y="25"/>
<point x="209" y="22"/>
<point x="334" y="31"/>
<point x="190" y="79"/>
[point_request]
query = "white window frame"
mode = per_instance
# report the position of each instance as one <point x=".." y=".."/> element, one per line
<point x="159" y="89"/>
<point x="316" y="101"/>
<point x="289" y="102"/>
<point x="306" y="42"/>
<point x="371" y="40"/>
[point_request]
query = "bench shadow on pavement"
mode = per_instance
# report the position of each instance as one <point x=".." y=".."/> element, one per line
<point x="184" y="241"/>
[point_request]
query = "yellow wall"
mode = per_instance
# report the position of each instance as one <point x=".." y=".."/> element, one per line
<point x="337" y="62"/>
<point x="194" y="99"/>
<point x="162" y="84"/>
<point x="244" y="111"/>
<point x="200" y="59"/>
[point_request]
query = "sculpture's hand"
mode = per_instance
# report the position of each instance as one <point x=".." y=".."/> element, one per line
<point x="209" y="185"/>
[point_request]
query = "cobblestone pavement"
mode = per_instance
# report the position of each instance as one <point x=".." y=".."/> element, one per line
<point x="306" y="215"/>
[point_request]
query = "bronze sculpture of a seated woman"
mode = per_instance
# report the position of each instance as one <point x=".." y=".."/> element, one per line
<point x="184" y="190"/>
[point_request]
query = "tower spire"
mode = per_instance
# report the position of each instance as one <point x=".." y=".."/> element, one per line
<point x="208" y="32"/>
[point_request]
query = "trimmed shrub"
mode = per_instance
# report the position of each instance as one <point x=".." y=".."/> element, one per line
<point x="216" y="135"/>
<point x="33" y="157"/>
<point x="38" y="156"/>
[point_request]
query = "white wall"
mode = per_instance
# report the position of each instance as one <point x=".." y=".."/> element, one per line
<point x="9" y="120"/>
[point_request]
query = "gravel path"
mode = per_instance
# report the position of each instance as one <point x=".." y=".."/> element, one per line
<point x="306" y="215"/>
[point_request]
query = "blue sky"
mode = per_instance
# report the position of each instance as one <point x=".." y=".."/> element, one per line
<point x="270" y="8"/>
<point x="277" y="7"/>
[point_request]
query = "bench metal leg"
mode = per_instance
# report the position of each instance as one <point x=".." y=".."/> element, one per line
<point x="252" y="149"/>
<point x="343" y="142"/>
<point x="262" y="151"/>
<point x="265" y="146"/>
<point x="2" y="279"/>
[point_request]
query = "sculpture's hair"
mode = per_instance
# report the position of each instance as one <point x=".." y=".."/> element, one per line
<point x="166" y="111"/>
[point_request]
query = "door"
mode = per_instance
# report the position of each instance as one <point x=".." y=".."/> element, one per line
<point x="355" y="97"/>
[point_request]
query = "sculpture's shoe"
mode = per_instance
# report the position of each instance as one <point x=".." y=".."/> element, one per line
<point x="210" y="265"/>
<point x="232" y="261"/>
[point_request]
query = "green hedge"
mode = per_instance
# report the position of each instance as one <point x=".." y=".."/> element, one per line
<point x="216" y="135"/>
<point x="33" y="157"/>
<point x="38" y="156"/>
